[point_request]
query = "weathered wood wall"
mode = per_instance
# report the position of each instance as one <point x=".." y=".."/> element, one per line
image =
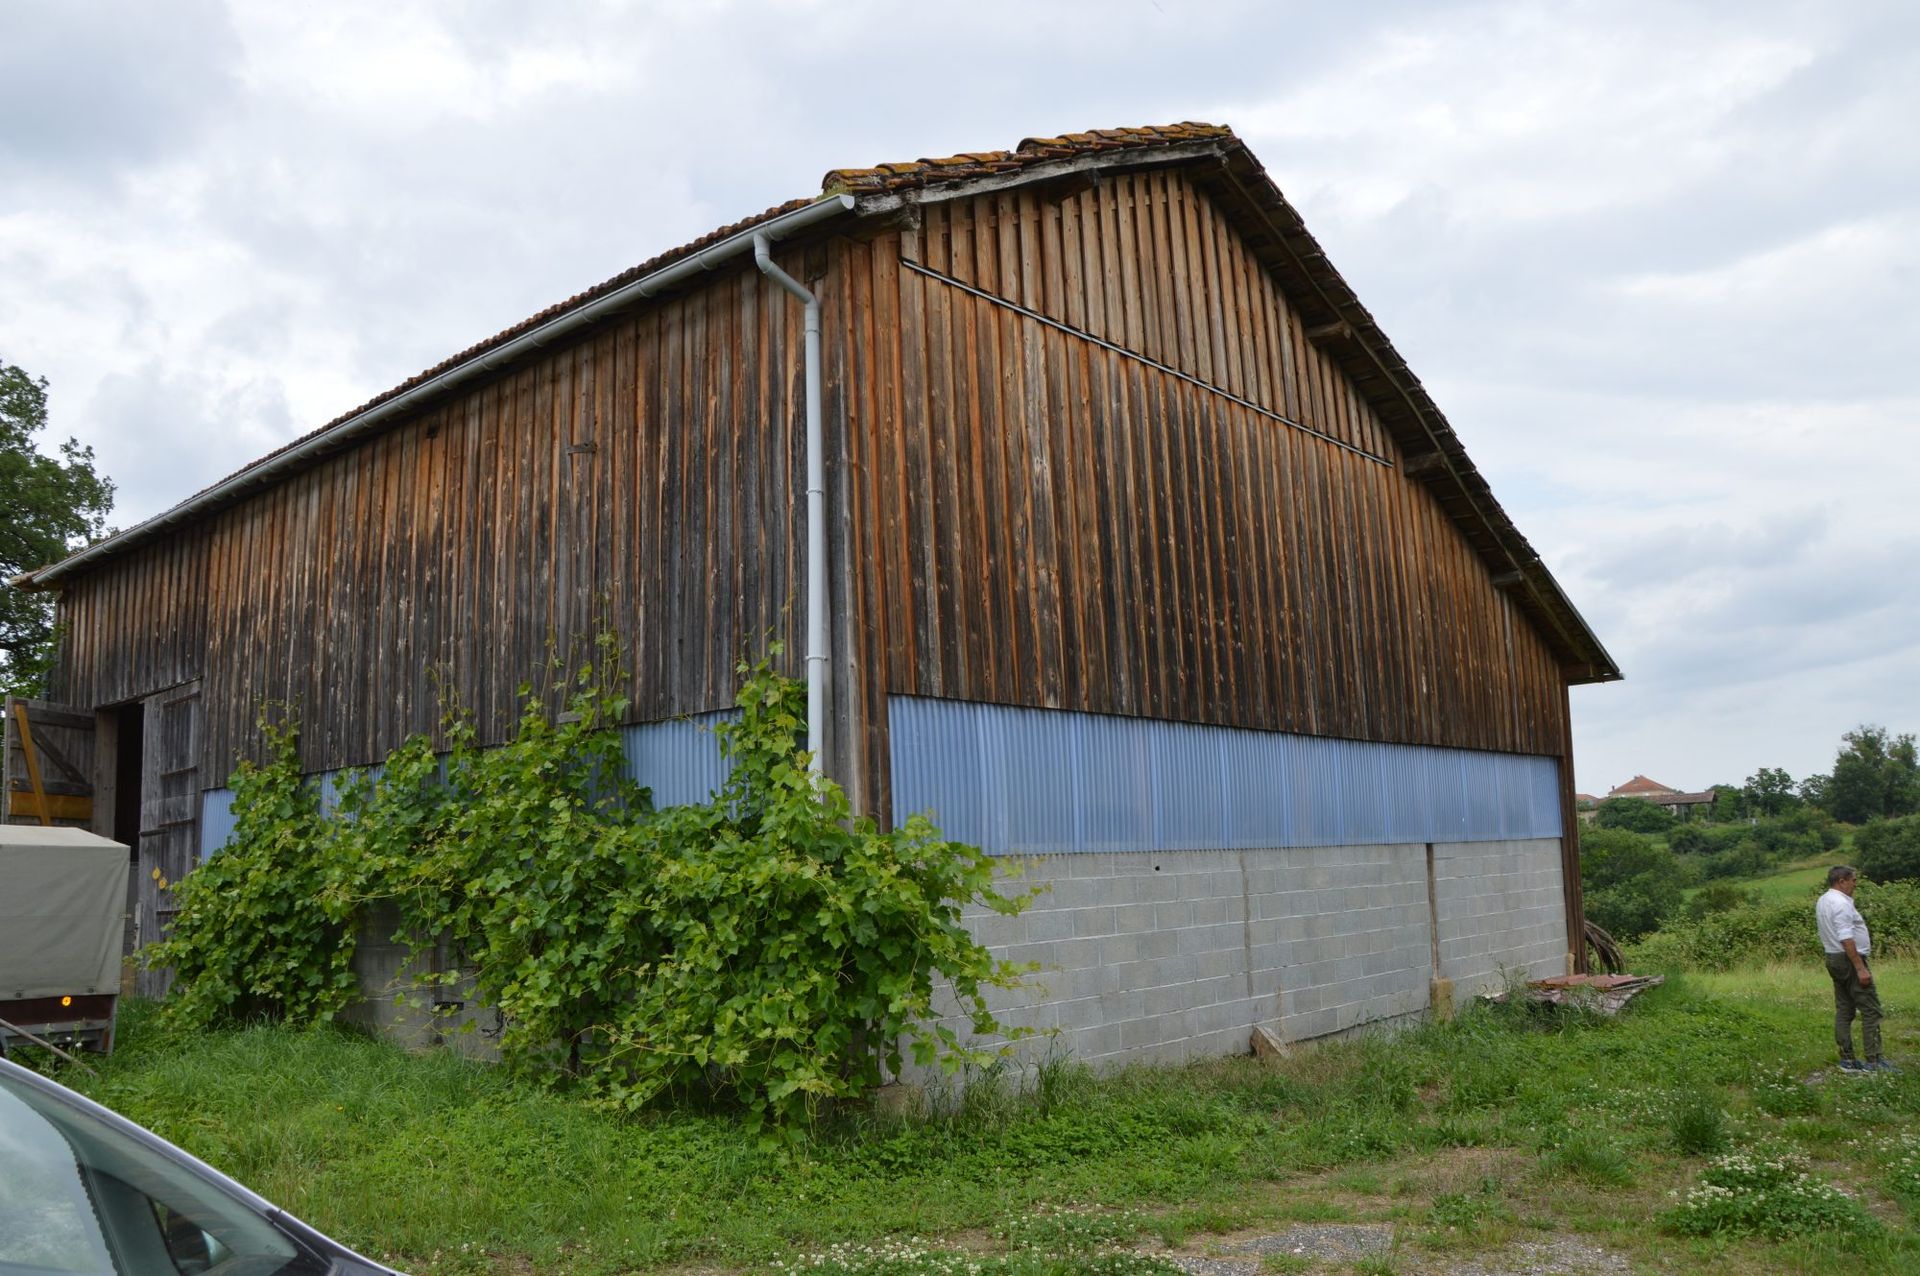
<point x="648" y="478"/>
<point x="1097" y="464"/>
<point x="1083" y="454"/>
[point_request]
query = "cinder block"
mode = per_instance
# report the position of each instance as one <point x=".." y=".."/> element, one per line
<point x="1315" y="1024"/>
<point x="1139" y="1034"/>
<point x="1173" y="915"/>
<point x="1156" y="944"/>
<point x="1213" y="910"/>
<point x="1092" y="922"/>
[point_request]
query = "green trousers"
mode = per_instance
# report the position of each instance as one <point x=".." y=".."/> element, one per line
<point x="1851" y="996"/>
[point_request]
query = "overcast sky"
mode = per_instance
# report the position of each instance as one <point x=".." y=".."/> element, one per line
<point x="1658" y="262"/>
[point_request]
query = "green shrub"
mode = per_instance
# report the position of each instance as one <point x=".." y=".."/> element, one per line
<point x="1635" y="815"/>
<point x="1716" y="897"/>
<point x="265" y="929"/>
<point x="1781" y="930"/>
<point x="1690" y="839"/>
<point x="1889" y="850"/>
<point x="764" y="946"/>
<point x="1813" y="821"/>
<point x="1631" y="882"/>
<point x="1752" y="848"/>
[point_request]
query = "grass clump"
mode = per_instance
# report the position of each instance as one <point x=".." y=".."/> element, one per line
<point x="1590" y="1157"/>
<point x="1465" y="1211"/>
<point x="1699" y="1125"/>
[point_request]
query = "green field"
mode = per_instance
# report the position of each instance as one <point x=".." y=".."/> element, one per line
<point x="1468" y="1139"/>
<point x="1802" y="879"/>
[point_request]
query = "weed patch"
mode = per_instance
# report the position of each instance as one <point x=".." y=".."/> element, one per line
<point x="1070" y="1229"/>
<point x="1699" y="1125"/>
<point x="1767" y="1194"/>
<point x="1591" y="1158"/>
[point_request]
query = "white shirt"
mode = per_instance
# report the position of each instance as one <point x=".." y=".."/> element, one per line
<point x="1839" y="920"/>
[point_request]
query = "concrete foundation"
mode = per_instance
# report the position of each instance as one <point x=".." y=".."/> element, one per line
<point x="1166" y="957"/>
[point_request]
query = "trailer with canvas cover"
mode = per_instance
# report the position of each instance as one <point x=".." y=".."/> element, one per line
<point x="62" y="916"/>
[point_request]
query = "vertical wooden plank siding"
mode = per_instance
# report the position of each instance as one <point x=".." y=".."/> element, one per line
<point x="647" y="476"/>
<point x="1112" y="538"/>
<point x="1020" y="515"/>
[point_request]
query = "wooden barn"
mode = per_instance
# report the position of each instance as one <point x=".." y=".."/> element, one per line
<point x="1134" y="546"/>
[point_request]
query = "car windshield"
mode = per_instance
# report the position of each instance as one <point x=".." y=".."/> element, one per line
<point x="80" y="1196"/>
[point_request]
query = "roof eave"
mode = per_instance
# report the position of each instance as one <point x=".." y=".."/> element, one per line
<point x="411" y="396"/>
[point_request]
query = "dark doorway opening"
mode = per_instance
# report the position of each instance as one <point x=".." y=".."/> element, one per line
<point x="130" y="730"/>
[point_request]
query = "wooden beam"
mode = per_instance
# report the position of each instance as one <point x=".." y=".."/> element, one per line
<point x="51" y="807"/>
<point x="106" y="771"/>
<point x="1509" y="578"/>
<point x="48" y="716"/>
<point x="25" y="732"/>
<point x="1323" y="334"/>
<point x="1423" y="463"/>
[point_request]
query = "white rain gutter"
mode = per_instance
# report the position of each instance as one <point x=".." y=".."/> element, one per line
<point x="817" y="668"/>
<point x="274" y="467"/>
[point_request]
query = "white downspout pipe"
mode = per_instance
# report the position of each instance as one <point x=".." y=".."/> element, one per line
<point x="817" y="667"/>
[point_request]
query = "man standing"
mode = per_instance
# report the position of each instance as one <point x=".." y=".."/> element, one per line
<point x="1843" y="933"/>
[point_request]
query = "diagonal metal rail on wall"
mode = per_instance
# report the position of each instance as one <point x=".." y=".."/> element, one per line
<point x="1137" y="357"/>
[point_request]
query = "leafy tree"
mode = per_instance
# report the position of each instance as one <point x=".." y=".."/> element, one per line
<point x="1889" y="850"/>
<point x="1729" y="803"/>
<point x="54" y="504"/>
<point x="1817" y="790"/>
<point x="1770" y="791"/>
<point x="1691" y="839"/>
<point x="1636" y="815"/>
<point x="1875" y="776"/>
<point x="1631" y="883"/>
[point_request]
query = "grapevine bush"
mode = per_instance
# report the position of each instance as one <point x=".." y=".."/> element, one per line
<point x="764" y="946"/>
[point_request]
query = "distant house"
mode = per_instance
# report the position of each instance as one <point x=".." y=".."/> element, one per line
<point x="1670" y="799"/>
<point x="1134" y="546"/>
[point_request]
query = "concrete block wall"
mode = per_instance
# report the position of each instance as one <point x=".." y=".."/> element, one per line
<point x="385" y="968"/>
<point x="1501" y="912"/>
<point x="1164" y="957"/>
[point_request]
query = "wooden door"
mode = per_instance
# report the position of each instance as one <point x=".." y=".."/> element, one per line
<point x="49" y="764"/>
<point x="169" y="813"/>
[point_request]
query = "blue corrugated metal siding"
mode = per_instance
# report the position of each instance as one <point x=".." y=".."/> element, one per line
<point x="678" y="759"/>
<point x="1030" y="781"/>
<point x="216" y="820"/>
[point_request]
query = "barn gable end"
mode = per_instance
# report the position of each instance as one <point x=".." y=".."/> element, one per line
<point x="1133" y="514"/>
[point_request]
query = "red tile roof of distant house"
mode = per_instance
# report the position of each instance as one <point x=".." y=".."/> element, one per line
<point x="1641" y="786"/>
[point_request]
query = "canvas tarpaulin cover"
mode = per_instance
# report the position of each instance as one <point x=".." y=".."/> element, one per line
<point x="63" y="897"/>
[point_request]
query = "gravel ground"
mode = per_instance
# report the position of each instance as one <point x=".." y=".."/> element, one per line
<point x="1340" y="1242"/>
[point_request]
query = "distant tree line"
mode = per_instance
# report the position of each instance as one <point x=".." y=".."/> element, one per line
<point x="1875" y="776"/>
<point x="1640" y="863"/>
